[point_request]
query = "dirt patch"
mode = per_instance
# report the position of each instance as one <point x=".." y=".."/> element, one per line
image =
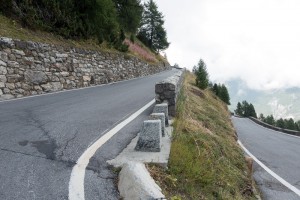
<point x="198" y="93"/>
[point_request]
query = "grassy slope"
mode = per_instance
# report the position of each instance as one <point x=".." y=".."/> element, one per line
<point x="12" y="29"/>
<point x="205" y="160"/>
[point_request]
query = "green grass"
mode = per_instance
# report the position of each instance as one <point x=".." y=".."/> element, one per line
<point x="205" y="160"/>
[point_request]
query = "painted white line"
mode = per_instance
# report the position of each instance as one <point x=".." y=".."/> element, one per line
<point x="295" y="136"/>
<point x="281" y="180"/>
<point x="76" y="184"/>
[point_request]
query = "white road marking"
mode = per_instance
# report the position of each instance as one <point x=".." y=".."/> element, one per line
<point x="76" y="184"/>
<point x="281" y="180"/>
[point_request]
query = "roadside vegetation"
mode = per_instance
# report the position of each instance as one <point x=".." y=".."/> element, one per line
<point x="205" y="160"/>
<point x="107" y="25"/>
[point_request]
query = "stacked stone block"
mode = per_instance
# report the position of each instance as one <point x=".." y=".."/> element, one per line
<point x="162" y="108"/>
<point x="150" y="137"/>
<point x="168" y="90"/>
<point x="29" y="68"/>
<point x="161" y="117"/>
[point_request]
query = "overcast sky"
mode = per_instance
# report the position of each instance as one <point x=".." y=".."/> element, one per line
<point x="255" y="40"/>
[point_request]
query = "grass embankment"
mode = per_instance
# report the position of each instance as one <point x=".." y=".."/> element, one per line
<point x="205" y="161"/>
<point x="12" y="29"/>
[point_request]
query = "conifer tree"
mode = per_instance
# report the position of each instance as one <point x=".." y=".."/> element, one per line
<point x="215" y="89"/>
<point x="280" y="123"/>
<point x="152" y="33"/>
<point x="223" y="94"/>
<point x="239" y="109"/>
<point x="270" y="120"/>
<point x="202" y="75"/>
<point x="252" y="112"/>
<point x="129" y="14"/>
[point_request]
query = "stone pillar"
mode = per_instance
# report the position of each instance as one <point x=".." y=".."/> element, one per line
<point x="168" y="90"/>
<point x="161" y="117"/>
<point x="150" y="137"/>
<point x="162" y="108"/>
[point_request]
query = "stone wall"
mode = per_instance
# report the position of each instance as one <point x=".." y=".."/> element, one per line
<point x="29" y="68"/>
<point x="168" y="90"/>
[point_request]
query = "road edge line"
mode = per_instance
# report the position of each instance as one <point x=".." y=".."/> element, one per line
<point x="76" y="183"/>
<point x="277" y="177"/>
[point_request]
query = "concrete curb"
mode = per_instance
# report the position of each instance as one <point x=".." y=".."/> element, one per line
<point x="135" y="183"/>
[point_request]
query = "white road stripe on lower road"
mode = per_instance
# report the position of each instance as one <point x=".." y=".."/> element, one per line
<point x="281" y="180"/>
<point x="76" y="184"/>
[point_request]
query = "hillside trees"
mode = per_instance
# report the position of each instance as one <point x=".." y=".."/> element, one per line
<point x="223" y="94"/>
<point x="69" y="18"/>
<point x="202" y="77"/>
<point x="245" y="109"/>
<point x="281" y="123"/>
<point x="152" y="32"/>
<point x="202" y="81"/>
<point x="129" y="14"/>
<point x="106" y="20"/>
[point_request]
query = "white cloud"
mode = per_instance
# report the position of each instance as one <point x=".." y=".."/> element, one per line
<point x="279" y="110"/>
<point x="257" y="41"/>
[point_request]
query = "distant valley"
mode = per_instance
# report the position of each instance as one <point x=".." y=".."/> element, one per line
<point x="282" y="103"/>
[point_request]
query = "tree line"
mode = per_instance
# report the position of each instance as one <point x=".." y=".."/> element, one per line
<point x="106" y="20"/>
<point x="281" y="123"/>
<point x="246" y="109"/>
<point x="203" y="82"/>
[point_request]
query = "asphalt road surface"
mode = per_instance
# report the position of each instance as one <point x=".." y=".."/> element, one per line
<point x="279" y="152"/>
<point x="42" y="137"/>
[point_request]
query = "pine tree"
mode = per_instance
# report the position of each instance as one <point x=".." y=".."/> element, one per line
<point x="223" y="94"/>
<point x="252" y="112"/>
<point x="215" y="89"/>
<point x="152" y="33"/>
<point x="270" y="120"/>
<point x="202" y="75"/>
<point x="239" y="109"/>
<point x="289" y="124"/>
<point x="245" y="106"/>
<point x="129" y="14"/>
<point x="280" y="123"/>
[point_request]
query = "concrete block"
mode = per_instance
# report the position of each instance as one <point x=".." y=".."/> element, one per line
<point x="162" y="108"/>
<point x="150" y="137"/>
<point x="135" y="183"/>
<point x="161" y="117"/>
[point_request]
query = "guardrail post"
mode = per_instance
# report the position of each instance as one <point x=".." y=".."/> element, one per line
<point x="150" y="137"/>
<point x="161" y="117"/>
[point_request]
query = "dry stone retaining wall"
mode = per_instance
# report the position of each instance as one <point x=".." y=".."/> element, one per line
<point x="168" y="90"/>
<point x="29" y="68"/>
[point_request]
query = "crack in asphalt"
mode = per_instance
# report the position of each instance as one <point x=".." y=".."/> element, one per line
<point x="46" y="147"/>
<point x="67" y="144"/>
<point x="67" y="162"/>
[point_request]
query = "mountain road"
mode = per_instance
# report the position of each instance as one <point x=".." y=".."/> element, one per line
<point x="42" y="137"/>
<point x="279" y="152"/>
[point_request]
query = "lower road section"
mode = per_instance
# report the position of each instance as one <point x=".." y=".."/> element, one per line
<point x="41" y="138"/>
<point x="279" y="152"/>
